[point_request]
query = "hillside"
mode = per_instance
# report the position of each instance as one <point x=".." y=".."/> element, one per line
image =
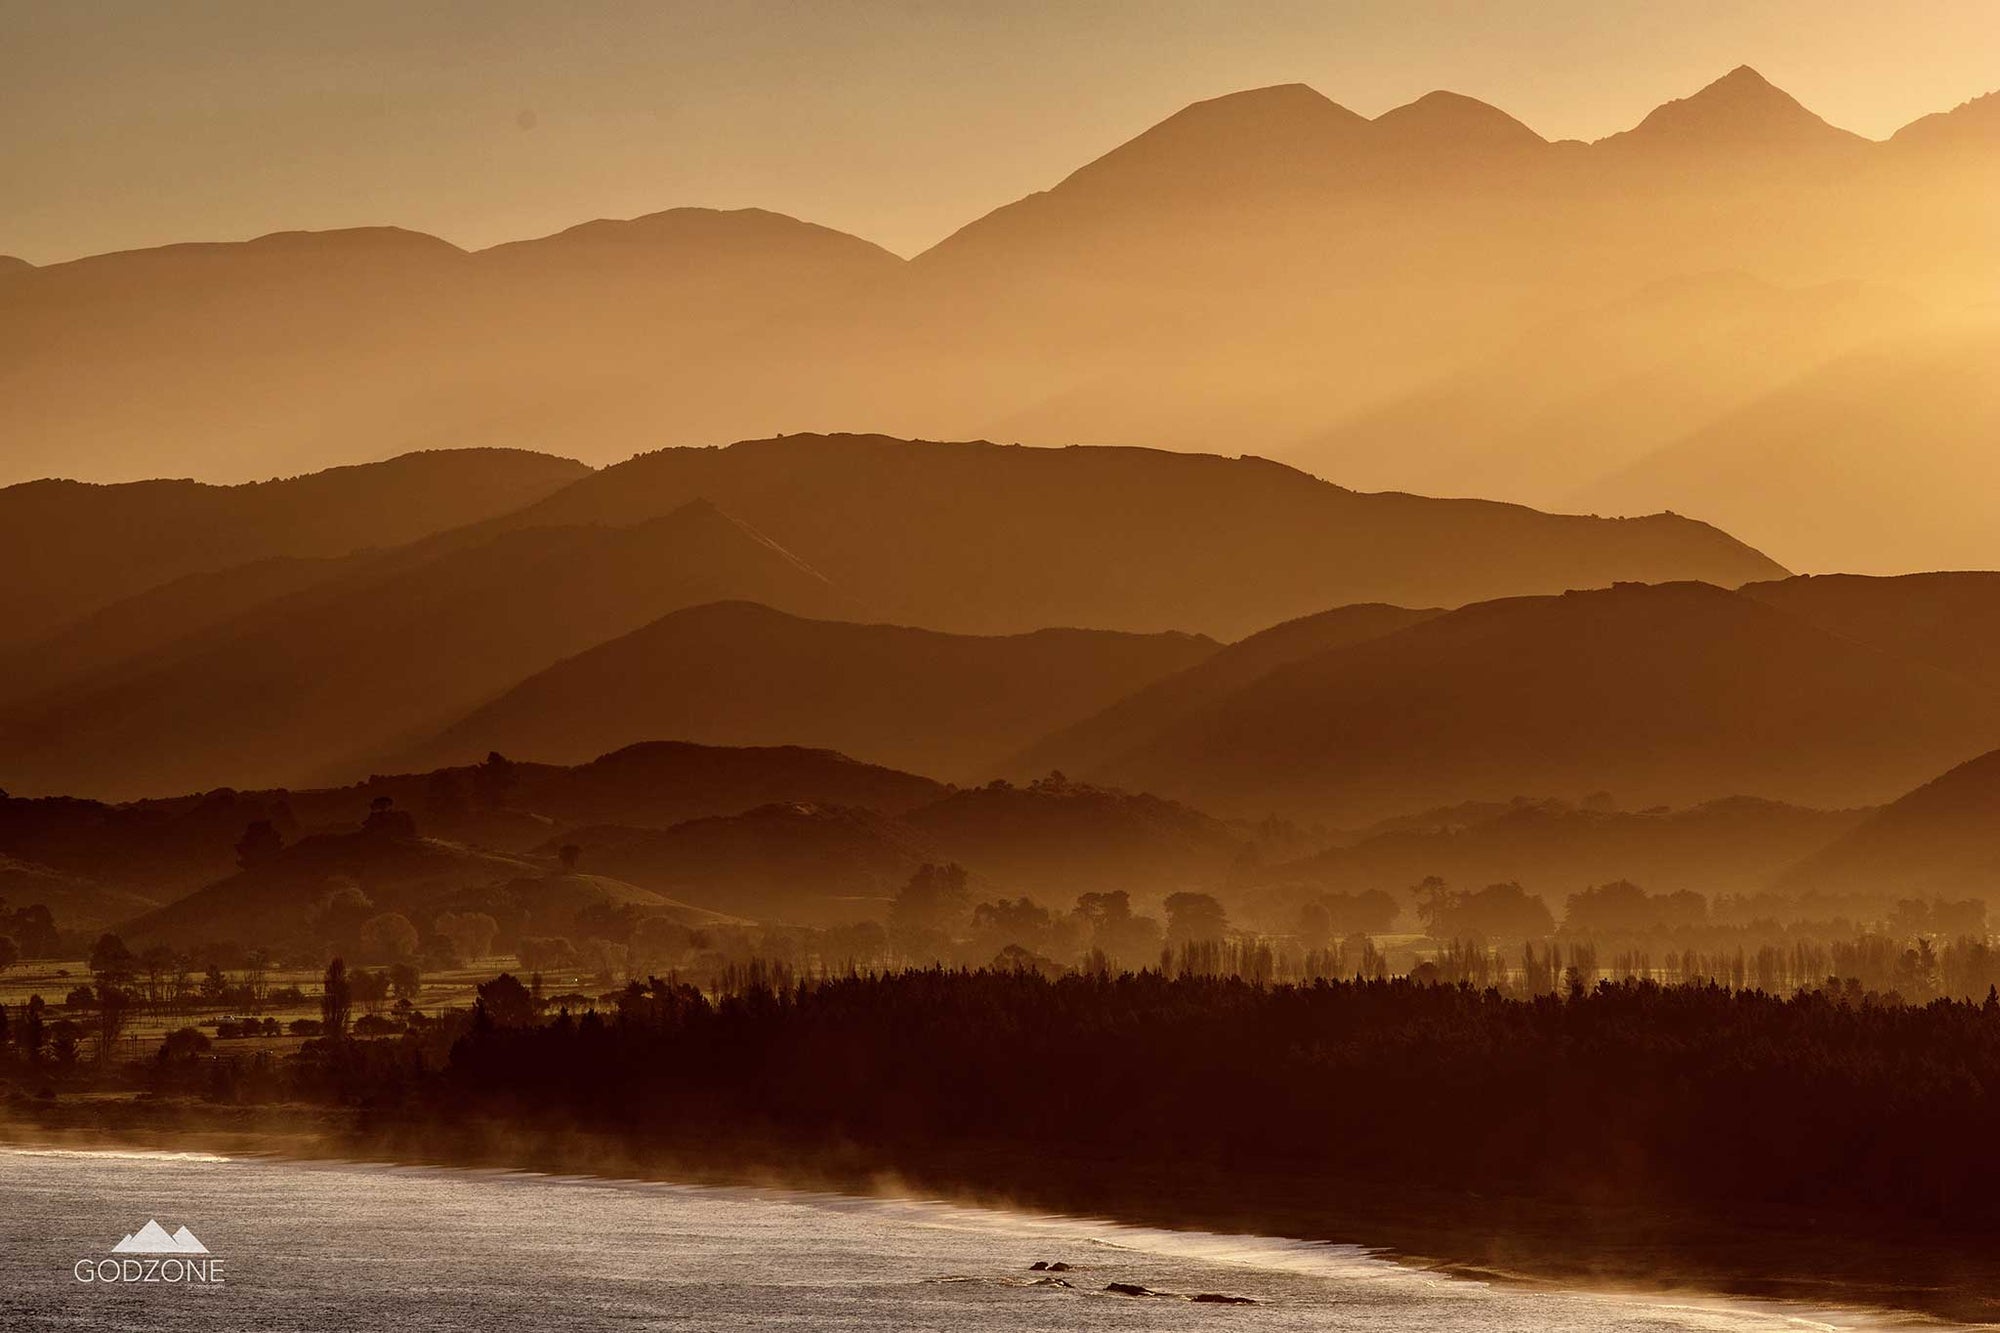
<point x="1950" y="620"/>
<point x="1672" y="694"/>
<point x="313" y="685"/>
<point x="1016" y="539"/>
<point x="795" y="862"/>
<point x="68" y="549"/>
<point x="324" y="885"/>
<point x="735" y="673"/>
<point x="654" y="784"/>
<point x="1940" y="840"/>
<point x="1134" y="719"/>
<point x="93" y="863"/>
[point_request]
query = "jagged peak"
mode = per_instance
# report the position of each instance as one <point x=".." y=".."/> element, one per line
<point x="1742" y="108"/>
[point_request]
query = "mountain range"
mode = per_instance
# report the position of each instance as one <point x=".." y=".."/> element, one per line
<point x="1820" y="692"/>
<point x="541" y="628"/>
<point x="1264" y="272"/>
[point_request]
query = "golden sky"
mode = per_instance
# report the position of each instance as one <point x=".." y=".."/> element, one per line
<point x="142" y="122"/>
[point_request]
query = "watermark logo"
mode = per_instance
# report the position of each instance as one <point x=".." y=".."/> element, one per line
<point x="153" y="1255"/>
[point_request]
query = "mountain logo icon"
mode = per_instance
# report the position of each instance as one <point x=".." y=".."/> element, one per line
<point x="153" y="1239"/>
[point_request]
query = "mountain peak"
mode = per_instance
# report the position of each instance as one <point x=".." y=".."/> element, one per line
<point x="1455" y="120"/>
<point x="1251" y="138"/>
<point x="1742" y="109"/>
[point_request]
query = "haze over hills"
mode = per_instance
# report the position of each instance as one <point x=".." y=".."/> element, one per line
<point x="735" y="673"/>
<point x="292" y="669"/>
<point x="1135" y="719"/>
<point x="1670" y="694"/>
<point x="1553" y="415"/>
<point x="308" y="686"/>
<point x="302" y="349"/>
<point x="1941" y="839"/>
<point x="68" y="549"/>
<point x="1194" y="288"/>
<point x="1892" y="440"/>
<point x="821" y="864"/>
<point x="1735" y="845"/>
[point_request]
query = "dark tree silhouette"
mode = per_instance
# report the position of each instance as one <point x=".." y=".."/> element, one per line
<point x="336" y="1003"/>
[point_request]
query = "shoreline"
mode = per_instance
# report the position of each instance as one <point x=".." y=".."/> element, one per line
<point x="1516" y="1241"/>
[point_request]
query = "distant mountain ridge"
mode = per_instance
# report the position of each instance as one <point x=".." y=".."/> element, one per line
<point x="68" y="548"/>
<point x="309" y="686"/>
<point x="1019" y="538"/>
<point x="303" y="669"/>
<point x="736" y="673"/>
<point x="1671" y="694"/>
<point x="1255" y="272"/>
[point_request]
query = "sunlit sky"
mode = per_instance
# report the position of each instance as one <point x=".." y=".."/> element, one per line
<point x="145" y="121"/>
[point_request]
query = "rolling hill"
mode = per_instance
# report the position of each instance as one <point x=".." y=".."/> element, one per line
<point x="980" y="538"/>
<point x="1134" y="719"/>
<point x="313" y="685"/>
<point x="811" y="864"/>
<point x="1940" y="840"/>
<point x="68" y="549"/>
<point x="736" y="673"/>
<point x="1670" y="694"/>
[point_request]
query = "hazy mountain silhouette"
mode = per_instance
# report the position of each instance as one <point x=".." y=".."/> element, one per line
<point x="1014" y="539"/>
<point x="1741" y="110"/>
<point x="736" y="673"/>
<point x="309" y="685"/>
<point x="1453" y="120"/>
<point x="68" y="549"/>
<point x="1663" y="695"/>
<point x="1941" y="839"/>
<point x="308" y="348"/>
<point x="1135" y="719"/>
<point x="1264" y="268"/>
<point x="1970" y="125"/>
